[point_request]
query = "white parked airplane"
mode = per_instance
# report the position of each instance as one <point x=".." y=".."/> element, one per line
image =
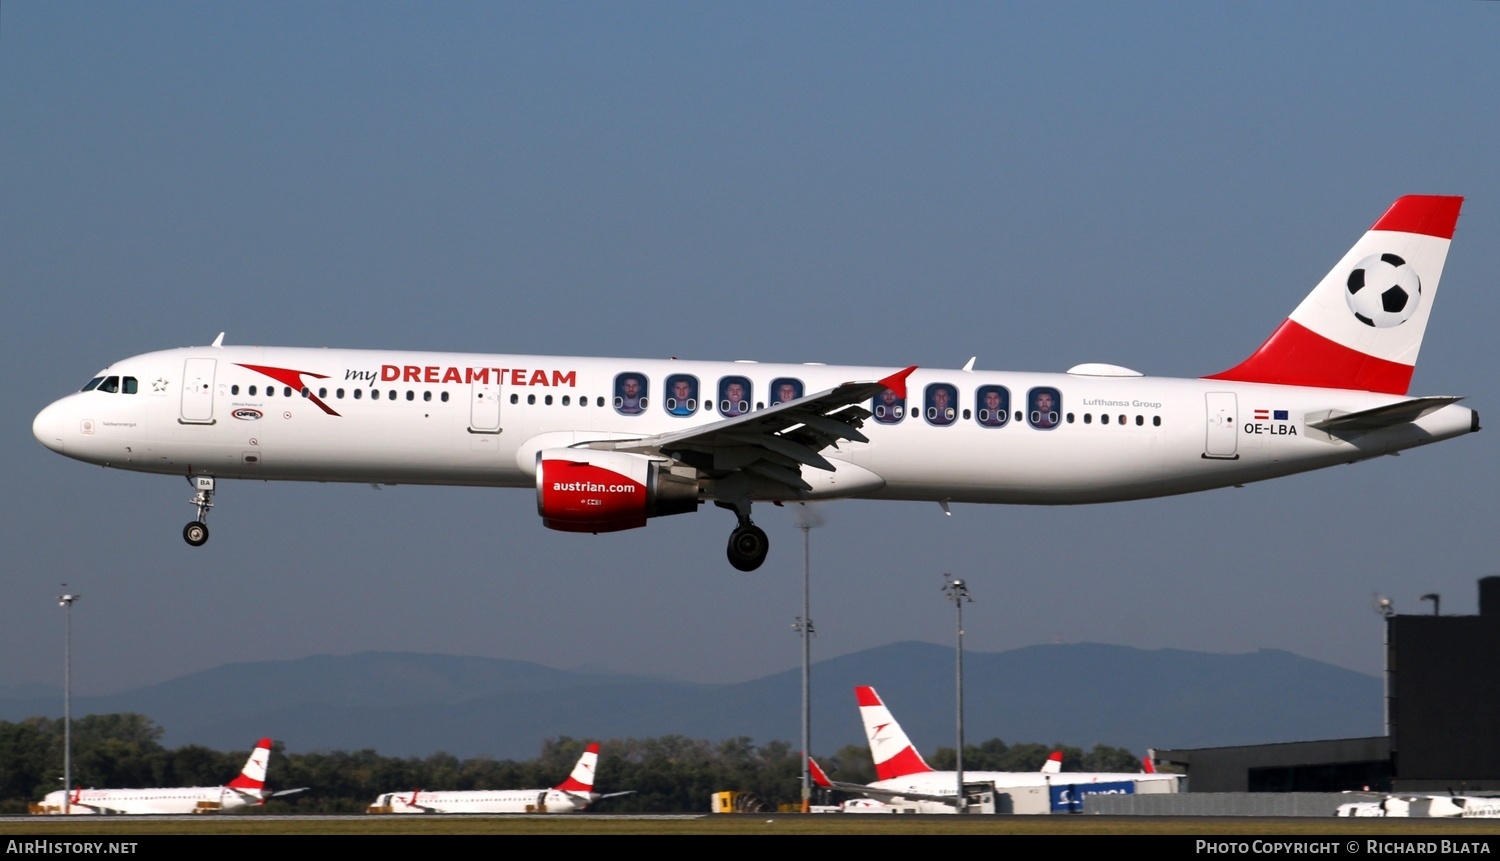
<point x="901" y="774"/>
<point x="611" y="443"/>
<point x="246" y="789"/>
<point x="572" y="795"/>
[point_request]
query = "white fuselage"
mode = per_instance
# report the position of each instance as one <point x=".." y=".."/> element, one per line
<point x="478" y="419"/>
<point x="482" y="801"/>
<point x="170" y="800"/>
<point x="1067" y="787"/>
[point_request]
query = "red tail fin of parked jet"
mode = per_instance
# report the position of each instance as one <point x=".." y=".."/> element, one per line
<point x="893" y="752"/>
<point x="582" y="778"/>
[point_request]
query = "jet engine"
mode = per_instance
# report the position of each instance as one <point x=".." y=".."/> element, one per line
<point x="585" y="490"/>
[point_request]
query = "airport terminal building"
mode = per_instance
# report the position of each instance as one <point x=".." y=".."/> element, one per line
<point x="1442" y="707"/>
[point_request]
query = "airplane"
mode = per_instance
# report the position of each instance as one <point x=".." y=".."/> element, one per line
<point x="570" y="796"/>
<point x="248" y="788"/>
<point x="902" y="775"/>
<point x="1433" y="806"/>
<point x="608" y="444"/>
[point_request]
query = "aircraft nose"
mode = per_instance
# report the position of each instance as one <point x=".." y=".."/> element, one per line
<point x="48" y="425"/>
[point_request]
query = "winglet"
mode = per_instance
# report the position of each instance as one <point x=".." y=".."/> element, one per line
<point x="897" y="382"/>
<point x="1053" y="765"/>
<point x="818" y="777"/>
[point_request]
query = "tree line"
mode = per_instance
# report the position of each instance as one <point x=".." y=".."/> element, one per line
<point x="669" y="774"/>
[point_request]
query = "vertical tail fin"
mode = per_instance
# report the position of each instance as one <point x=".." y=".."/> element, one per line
<point x="1053" y="765"/>
<point x="1362" y="326"/>
<point x="582" y="778"/>
<point x="892" y="751"/>
<point x="252" y="778"/>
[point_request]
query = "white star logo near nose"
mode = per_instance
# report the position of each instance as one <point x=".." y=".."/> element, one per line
<point x="160" y="385"/>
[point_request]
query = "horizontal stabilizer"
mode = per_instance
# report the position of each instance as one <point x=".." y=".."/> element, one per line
<point x="1381" y="417"/>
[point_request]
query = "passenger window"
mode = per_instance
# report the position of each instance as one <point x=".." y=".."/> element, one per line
<point x="1044" y="405"/>
<point x="992" y="406"/>
<point x="887" y="408"/>
<point x="427" y="395"/>
<point x="682" y="395"/>
<point x="940" y="400"/>
<point x="785" y="389"/>
<point x="252" y="391"/>
<point x="359" y="393"/>
<point x="234" y="389"/>
<point x="531" y="399"/>
<point x="734" y="396"/>
<point x="445" y="397"/>
<point x="630" y="394"/>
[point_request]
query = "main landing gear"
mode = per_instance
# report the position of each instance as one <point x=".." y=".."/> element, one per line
<point x="748" y="546"/>
<point x="748" y="543"/>
<point x="196" y="533"/>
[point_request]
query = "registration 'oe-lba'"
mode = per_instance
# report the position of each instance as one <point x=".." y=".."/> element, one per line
<point x="610" y="443"/>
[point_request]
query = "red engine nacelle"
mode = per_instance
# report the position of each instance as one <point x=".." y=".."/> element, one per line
<point x="583" y="490"/>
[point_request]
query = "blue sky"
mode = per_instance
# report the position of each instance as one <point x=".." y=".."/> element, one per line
<point x="1150" y="184"/>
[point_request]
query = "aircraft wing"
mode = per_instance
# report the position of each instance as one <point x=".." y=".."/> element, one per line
<point x="1379" y="417"/>
<point x="820" y="778"/>
<point x="773" y="443"/>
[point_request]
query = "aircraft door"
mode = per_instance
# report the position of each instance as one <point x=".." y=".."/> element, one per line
<point x="484" y="406"/>
<point x="198" y="391"/>
<point x="1222" y="438"/>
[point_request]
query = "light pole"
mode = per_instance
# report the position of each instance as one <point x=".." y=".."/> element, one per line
<point x="958" y="593"/>
<point x="806" y="520"/>
<point x="65" y="601"/>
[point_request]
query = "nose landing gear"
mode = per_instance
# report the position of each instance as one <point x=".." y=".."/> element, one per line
<point x="196" y="532"/>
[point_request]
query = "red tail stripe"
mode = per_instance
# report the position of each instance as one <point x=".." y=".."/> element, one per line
<point x="867" y="697"/>
<point x="906" y="762"/>
<point x="1297" y="356"/>
<point x="1427" y="214"/>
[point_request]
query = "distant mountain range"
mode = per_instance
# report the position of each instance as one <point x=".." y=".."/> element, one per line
<point x="1081" y="694"/>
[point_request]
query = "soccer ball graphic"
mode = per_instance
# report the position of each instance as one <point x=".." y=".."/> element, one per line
<point x="1383" y="291"/>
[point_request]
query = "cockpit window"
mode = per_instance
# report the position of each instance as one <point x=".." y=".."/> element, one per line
<point x="130" y="386"/>
<point x="110" y="384"/>
<point x="93" y="384"/>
